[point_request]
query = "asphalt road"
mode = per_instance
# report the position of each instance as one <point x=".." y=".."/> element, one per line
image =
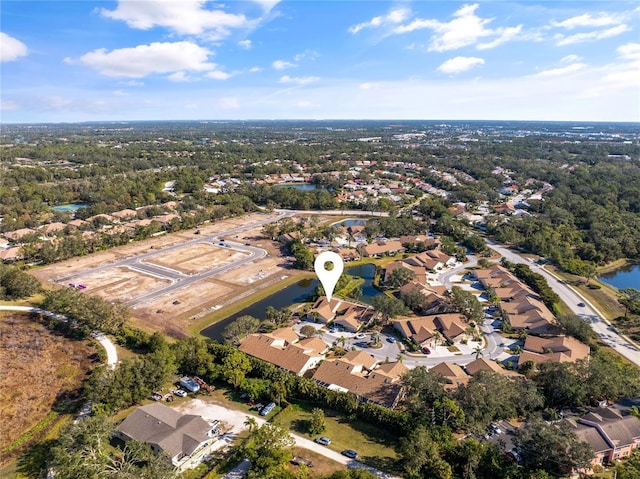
<point x="573" y="299"/>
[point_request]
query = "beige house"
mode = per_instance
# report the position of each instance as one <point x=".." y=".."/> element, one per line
<point x="285" y="349"/>
<point x="453" y="374"/>
<point x="558" y="349"/>
<point x="359" y="373"/>
<point x="351" y="316"/>
<point x="422" y="329"/>
<point x="380" y="248"/>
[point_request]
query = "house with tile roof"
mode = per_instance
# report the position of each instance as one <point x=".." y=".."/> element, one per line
<point x="611" y="434"/>
<point x="185" y="438"/>
<point x="483" y="364"/>
<point x="453" y="375"/>
<point x="358" y="372"/>
<point x="380" y="248"/>
<point x="422" y="329"/>
<point x="559" y="349"/>
<point x="351" y="316"/>
<point x="285" y="349"/>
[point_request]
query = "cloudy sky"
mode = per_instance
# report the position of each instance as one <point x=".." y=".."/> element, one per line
<point x="88" y="60"/>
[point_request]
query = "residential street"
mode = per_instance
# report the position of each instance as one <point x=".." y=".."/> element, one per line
<point x="572" y="299"/>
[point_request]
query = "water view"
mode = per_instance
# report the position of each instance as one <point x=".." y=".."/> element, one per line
<point x="296" y="293"/>
<point x="351" y="222"/>
<point x="70" y="207"/>
<point x="625" y="277"/>
<point x="303" y="186"/>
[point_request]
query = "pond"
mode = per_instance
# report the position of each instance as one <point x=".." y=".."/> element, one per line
<point x="303" y="186"/>
<point x="70" y="207"/>
<point x="296" y="293"/>
<point x="626" y="277"/>
<point x="350" y="222"/>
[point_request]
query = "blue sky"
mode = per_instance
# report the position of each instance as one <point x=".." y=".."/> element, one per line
<point x="267" y="59"/>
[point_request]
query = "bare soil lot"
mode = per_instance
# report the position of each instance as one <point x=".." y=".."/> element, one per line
<point x="197" y="258"/>
<point x="173" y="312"/>
<point x="39" y="370"/>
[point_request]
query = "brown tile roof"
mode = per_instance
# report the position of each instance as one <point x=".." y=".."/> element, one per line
<point x="292" y="357"/>
<point x="482" y="364"/>
<point x="381" y="248"/>
<point x="563" y="348"/>
<point x="350" y="373"/>
<point x="17" y="235"/>
<point x="453" y="374"/>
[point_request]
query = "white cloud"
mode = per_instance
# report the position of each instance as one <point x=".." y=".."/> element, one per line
<point x="298" y="80"/>
<point x="218" y="75"/>
<point x="282" y="65"/>
<point x="179" y="77"/>
<point x="120" y="93"/>
<point x="184" y="17"/>
<point x="505" y="35"/>
<point x="143" y="60"/>
<point x="11" y="48"/>
<point x="8" y="105"/>
<point x="630" y="51"/>
<point x="394" y="17"/>
<point x="465" y="29"/>
<point x="132" y="83"/>
<point x="603" y="19"/>
<point x="556" y="72"/>
<point x="459" y="65"/>
<point x="255" y="69"/>
<point x="229" y="103"/>
<point x="246" y="44"/>
<point x="562" y="40"/>
<point x="267" y="5"/>
<point x="306" y="55"/>
<point x="570" y="59"/>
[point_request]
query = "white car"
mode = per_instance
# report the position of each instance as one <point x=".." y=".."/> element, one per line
<point x="360" y="336"/>
<point x="181" y="393"/>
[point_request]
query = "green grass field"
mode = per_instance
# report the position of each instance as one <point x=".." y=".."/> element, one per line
<point x="374" y="446"/>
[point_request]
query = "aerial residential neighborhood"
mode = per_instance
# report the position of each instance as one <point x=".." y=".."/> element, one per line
<point x="207" y="334"/>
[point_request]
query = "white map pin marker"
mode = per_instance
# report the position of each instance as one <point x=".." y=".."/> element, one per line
<point x="329" y="279"/>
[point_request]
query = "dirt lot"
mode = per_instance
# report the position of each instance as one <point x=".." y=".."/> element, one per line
<point x="172" y="312"/>
<point x="37" y="367"/>
<point x="197" y="258"/>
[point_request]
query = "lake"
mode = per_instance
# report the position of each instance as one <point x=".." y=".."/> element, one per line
<point x="626" y="277"/>
<point x="303" y="186"/>
<point x="350" y="222"/>
<point x="296" y="293"/>
<point x="70" y="207"/>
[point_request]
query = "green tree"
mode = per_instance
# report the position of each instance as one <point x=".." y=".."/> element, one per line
<point x="239" y="329"/>
<point x="420" y="456"/>
<point x="388" y="307"/>
<point x="553" y="448"/>
<point x="317" y="423"/>
<point x="400" y="276"/>
<point x="630" y="299"/>
<point x="16" y="284"/>
<point x="234" y="367"/>
<point x="468" y="305"/>
<point x="269" y="450"/>
<point x="308" y="331"/>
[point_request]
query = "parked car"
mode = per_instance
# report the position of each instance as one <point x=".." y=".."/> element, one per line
<point x="325" y="441"/>
<point x="495" y="429"/>
<point x="426" y="350"/>
<point x="156" y="396"/>
<point x="267" y="409"/>
<point x="181" y="393"/>
<point x="391" y="339"/>
<point x="361" y="336"/>
<point x="350" y="453"/>
<point x="581" y="305"/>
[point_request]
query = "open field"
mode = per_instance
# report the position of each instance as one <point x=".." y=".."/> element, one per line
<point x="41" y="373"/>
<point x="172" y="280"/>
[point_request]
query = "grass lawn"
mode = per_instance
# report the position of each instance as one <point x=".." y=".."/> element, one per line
<point x="322" y="466"/>
<point x="375" y="446"/>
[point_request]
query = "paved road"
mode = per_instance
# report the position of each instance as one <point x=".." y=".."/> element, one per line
<point x="573" y="299"/>
<point x="333" y="212"/>
<point x="112" y="353"/>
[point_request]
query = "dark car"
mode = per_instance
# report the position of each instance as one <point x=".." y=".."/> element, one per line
<point x="581" y="305"/>
<point x="426" y="350"/>
<point x="391" y="339"/>
<point x="350" y="453"/>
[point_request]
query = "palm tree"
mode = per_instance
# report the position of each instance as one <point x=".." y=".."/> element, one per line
<point x="478" y="351"/>
<point x="251" y="423"/>
<point x="437" y="338"/>
<point x="400" y="358"/>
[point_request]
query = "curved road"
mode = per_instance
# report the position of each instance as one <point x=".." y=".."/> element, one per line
<point x="574" y="300"/>
<point x="112" y="353"/>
